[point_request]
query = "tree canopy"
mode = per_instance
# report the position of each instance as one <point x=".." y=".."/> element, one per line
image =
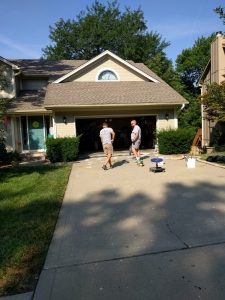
<point x="192" y="61"/>
<point x="4" y="83"/>
<point x="189" y="66"/>
<point x="221" y="12"/>
<point x="214" y="101"/>
<point x="104" y="27"/>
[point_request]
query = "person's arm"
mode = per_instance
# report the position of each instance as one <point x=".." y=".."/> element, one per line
<point x="113" y="136"/>
<point x="100" y="135"/>
<point x="134" y="136"/>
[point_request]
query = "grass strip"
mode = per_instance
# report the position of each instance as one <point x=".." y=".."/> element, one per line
<point x="30" y="200"/>
<point x="204" y="156"/>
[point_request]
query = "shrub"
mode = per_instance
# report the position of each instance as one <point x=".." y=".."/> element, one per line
<point x="14" y="156"/>
<point x="7" y="157"/>
<point x="54" y="149"/>
<point x="62" y="149"/>
<point x="3" y="153"/>
<point x="175" y="141"/>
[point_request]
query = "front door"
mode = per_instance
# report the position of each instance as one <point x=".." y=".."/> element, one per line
<point x="36" y="132"/>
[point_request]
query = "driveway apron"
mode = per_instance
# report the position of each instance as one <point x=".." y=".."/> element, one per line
<point x="127" y="233"/>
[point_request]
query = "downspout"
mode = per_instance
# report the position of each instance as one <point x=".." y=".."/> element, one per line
<point x="182" y="106"/>
<point x="176" y="114"/>
<point x="14" y="79"/>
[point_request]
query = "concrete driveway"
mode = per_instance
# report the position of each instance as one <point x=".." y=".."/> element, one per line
<point x="127" y="233"/>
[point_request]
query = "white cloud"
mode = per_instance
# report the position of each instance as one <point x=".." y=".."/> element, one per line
<point x="12" y="45"/>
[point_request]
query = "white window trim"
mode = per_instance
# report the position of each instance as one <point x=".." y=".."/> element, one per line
<point x="107" y="69"/>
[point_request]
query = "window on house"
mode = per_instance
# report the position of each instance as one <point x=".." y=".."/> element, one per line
<point x="107" y="75"/>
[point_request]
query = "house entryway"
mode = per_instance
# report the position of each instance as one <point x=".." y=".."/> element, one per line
<point x="90" y="128"/>
<point x="34" y="130"/>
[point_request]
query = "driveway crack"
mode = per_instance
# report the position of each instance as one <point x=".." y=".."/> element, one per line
<point x="176" y="235"/>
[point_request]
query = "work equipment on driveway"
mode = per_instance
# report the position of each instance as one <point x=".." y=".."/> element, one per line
<point x="157" y="168"/>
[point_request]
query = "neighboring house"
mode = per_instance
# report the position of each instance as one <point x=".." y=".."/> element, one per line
<point x="71" y="97"/>
<point x="214" y="72"/>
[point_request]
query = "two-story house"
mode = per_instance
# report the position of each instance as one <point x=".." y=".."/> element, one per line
<point x="71" y="97"/>
<point x="214" y="72"/>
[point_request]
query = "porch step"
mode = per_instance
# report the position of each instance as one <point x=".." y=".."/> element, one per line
<point x="34" y="156"/>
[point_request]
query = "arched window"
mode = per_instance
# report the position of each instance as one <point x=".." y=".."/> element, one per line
<point x="107" y="75"/>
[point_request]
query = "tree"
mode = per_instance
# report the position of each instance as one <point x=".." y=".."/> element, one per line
<point x="104" y="27"/>
<point x="190" y="65"/>
<point x="3" y="84"/>
<point x="163" y="67"/>
<point x="192" y="61"/>
<point x="214" y="101"/>
<point x="221" y="12"/>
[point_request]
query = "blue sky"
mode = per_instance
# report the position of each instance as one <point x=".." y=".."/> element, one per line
<point x="24" y="24"/>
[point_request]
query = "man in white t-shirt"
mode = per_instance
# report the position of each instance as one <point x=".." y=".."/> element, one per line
<point x="107" y="136"/>
<point x="136" y="140"/>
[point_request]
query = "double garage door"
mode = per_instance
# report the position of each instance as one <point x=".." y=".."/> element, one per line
<point x="90" y="128"/>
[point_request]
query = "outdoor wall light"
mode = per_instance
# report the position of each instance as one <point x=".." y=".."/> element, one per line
<point x="64" y="119"/>
<point x="166" y="116"/>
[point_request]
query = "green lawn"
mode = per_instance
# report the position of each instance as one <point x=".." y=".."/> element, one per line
<point x="30" y="199"/>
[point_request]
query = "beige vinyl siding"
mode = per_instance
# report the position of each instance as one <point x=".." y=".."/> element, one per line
<point x="69" y="129"/>
<point x="64" y="130"/>
<point x="124" y="73"/>
<point x="163" y="123"/>
<point x="216" y="74"/>
<point x="207" y="81"/>
<point x="218" y="59"/>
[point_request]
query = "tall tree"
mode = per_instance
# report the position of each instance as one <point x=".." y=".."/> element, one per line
<point x="190" y="65"/>
<point x="192" y="61"/>
<point x="4" y="83"/>
<point x="104" y="27"/>
<point x="214" y="101"/>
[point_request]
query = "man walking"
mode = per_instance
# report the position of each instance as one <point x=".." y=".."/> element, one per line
<point x="136" y="141"/>
<point x="107" y="136"/>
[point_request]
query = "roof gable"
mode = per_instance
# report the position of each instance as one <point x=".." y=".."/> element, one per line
<point x="205" y="73"/>
<point x="98" y="58"/>
<point x="14" y="67"/>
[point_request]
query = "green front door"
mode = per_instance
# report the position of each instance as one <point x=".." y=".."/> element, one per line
<point x="36" y="132"/>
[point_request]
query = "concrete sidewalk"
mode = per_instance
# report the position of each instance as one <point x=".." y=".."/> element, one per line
<point x="127" y="233"/>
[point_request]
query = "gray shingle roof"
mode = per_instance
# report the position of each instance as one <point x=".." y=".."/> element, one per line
<point x="97" y="93"/>
<point x="89" y="93"/>
<point x="27" y="101"/>
<point x="49" y="68"/>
